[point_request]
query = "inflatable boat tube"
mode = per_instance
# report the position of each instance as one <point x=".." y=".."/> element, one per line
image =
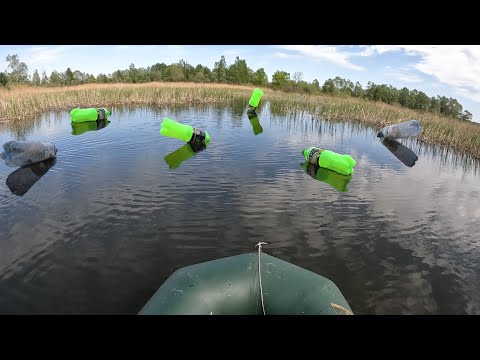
<point x="231" y="286"/>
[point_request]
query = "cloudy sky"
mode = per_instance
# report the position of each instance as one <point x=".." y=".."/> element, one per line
<point x="446" y="70"/>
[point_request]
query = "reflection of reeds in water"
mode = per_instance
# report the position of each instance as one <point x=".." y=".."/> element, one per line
<point x="304" y="122"/>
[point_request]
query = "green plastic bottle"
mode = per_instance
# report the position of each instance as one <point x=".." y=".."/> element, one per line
<point x="253" y="117"/>
<point x="173" y="129"/>
<point x="89" y="114"/>
<point x="337" y="181"/>
<point x="255" y="98"/>
<point x="343" y="164"/>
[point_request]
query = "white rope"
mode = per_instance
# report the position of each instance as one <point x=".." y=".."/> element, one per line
<point x="260" y="272"/>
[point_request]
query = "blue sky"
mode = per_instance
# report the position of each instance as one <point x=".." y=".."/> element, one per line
<point x="446" y="70"/>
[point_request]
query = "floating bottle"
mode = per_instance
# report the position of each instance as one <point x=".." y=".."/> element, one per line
<point x="403" y="153"/>
<point x="183" y="132"/>
<point x="82" y="127"/>
<point x="253" y="117"/>
<point x="89" y="114"/>
<point x="22" y="179"/>
<point x="343" y="164"/>
<point x="257" y="95"/>
<point x="21" y="153"/>
<point x="337" y="181"/>
<point x="402" y="130"/>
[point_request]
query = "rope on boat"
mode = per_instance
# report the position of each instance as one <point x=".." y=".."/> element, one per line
<point x="260" y="272"/>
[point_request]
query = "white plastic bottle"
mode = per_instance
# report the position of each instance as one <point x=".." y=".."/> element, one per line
<point x="401" y="130"/>
<point x="21" y="153"/>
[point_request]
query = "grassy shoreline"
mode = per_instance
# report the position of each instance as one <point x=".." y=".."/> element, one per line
<point x="22" y="103"/>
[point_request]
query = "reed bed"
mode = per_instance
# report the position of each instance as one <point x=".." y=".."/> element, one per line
<point x="22" y="103"/>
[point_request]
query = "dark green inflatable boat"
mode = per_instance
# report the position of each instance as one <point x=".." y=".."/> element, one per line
<point x="238" y="285"/>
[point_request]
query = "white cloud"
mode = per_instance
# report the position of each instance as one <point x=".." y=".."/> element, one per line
<point x="404" y="74"/>
<point x="122" y="47"/>
<point x="175" y="46"/>
<point x="43" y="54"/>
<point x="457" y="66"/>
<point x="283" y="55"/>
<point x="325" y="53"/>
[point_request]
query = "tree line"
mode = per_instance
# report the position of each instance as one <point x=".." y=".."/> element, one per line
<point x="238" y="73"/>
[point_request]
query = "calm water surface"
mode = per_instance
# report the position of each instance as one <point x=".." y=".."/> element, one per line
<point x="98" y="230"/>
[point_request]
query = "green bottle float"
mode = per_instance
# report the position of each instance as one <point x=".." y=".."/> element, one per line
<point x="82" y="127"/>
<point x="337" y="181"/>
<point x="257" y="95"/>
<point x="187" y="133"/>
<point x="187" y="151"/>
<point x="342" y="164"/>
<point x="89" y="114"/>
<point x="253" y="117"/>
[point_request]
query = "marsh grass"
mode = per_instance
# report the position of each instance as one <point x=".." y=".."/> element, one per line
<point x="24" y="103"/>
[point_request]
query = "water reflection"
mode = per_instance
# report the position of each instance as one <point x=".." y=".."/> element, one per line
<point x="337" y="181"/>
<point x="402" y="153"/>
<point x="22" y="179"/>
<point x="185" y="152"/>
<point x="82" y="127"/>
<point x="253" y="117"/>
<point x="400" y="241"/>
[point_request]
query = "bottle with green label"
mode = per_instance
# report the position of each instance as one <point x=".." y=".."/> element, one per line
<point x="342" y="164"/>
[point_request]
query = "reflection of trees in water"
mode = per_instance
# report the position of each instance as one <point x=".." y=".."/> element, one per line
<point x="20" y="130"/>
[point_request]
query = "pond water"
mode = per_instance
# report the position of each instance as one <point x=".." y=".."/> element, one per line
<point x="99" y="229"/>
